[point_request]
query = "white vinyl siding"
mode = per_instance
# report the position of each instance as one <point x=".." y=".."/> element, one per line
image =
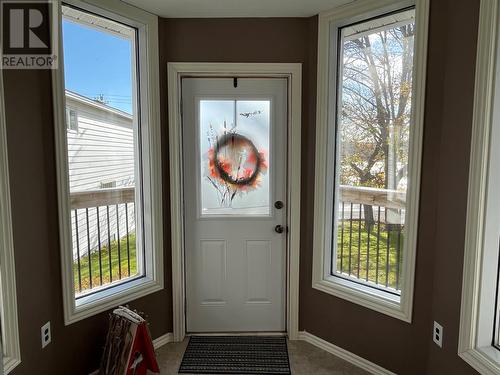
<point x="102" y="151"/>
<point x="99" y="153"/>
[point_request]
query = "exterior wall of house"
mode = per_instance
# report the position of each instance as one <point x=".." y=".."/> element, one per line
<point x="101" y="149"/>
<point x="100" y="156"/>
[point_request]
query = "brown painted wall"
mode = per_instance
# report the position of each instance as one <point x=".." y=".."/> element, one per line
<point x="401" y="347"/>
<point x="459" y="31"/>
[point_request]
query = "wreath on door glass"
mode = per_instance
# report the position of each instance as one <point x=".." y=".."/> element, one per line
<point x="235" y="165"/>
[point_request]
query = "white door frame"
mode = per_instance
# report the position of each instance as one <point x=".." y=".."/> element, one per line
<point x="293" y="72"/>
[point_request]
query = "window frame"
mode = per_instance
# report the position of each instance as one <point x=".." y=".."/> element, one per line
<point x="8" y="297"/>
<point x="148" y="92"/>
<point x="70" y="126"/>
<point x="329" y="24"/>
<point x="476" y="344"/>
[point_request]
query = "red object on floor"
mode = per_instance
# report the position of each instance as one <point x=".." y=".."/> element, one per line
<point x="142" y="346"/>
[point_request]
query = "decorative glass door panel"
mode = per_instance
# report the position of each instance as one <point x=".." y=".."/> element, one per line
<point x="235" y="157"/>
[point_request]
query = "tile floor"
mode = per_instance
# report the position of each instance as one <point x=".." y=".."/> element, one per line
<point x="305" y="359"/>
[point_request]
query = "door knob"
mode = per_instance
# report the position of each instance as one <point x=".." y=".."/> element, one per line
<point x="278" y="205"/>
<point x="279" y="229"/>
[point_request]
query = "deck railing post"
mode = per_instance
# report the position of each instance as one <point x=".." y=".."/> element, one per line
<point x="387" y="250"/>
<point x="118" y="198"/>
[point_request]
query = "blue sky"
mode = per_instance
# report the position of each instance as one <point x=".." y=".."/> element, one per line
<point x="97" y="63"/>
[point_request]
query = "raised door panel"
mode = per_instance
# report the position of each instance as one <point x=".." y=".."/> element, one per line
<point x="212" y="271"/>
<point x="258" y="268"/>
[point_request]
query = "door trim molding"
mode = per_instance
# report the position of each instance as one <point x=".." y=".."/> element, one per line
<point x="293" y="72"/>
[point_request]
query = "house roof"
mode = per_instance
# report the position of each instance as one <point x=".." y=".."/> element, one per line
<point x="96" y="104"/>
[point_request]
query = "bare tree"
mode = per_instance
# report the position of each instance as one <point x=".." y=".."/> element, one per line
<point x="376" y="109"/>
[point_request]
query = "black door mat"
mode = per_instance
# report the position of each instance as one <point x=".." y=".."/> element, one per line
<point x="236" y="355"/>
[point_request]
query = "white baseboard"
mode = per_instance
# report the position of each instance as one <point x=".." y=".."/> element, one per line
<point x="162" y="340"/>
<point x="344" y="354"/>
<point x="313" y="340"/>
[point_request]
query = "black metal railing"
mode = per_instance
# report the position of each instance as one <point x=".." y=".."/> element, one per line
<point x="370" y="236"/>
<point x="104" y="240"/>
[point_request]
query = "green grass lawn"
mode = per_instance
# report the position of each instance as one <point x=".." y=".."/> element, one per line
<point x="357" y="247"/>
<point x="107" y="277"/>
<point x="369" y="271"/>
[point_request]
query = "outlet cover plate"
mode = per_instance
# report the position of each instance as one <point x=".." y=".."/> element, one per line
<point x="437" y="334"/>
<point x="46" y="334"/>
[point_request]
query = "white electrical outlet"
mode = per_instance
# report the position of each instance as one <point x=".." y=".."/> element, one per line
<point x="437" y="334"/>
<point x="46" y="335"/>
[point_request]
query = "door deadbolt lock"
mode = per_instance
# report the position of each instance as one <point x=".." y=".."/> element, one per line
<point x="278" y="204"/>
<point x="279" y="228"/>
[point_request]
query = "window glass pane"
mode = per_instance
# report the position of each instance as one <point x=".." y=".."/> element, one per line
<point x="71" y="119"/>
<point x="103" y="154"/>
<point x="234" y="144"/>
<point x="373" y="129"/>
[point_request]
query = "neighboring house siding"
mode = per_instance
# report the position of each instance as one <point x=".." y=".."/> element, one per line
<point x="100" y="156"/>
<point x="101" y="150"/>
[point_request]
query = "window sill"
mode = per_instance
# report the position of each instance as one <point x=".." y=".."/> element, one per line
<point x="10" y="363"/>
<point x="485" y="360"/>
<point x="110" y="298"/>
<point x="374" y="299"/>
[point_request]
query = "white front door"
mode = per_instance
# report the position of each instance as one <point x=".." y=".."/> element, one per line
<point x="234" y="170"/>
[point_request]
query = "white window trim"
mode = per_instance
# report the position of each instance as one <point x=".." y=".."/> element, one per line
<point x="475" y="345"/>
<point x="356" y="293"/>
<point x="8" y="296"/>
<point x="147" y="24"/>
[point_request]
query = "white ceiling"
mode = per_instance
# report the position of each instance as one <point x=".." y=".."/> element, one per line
<point x="236" y="8"/>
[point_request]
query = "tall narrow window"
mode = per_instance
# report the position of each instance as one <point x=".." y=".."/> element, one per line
<point x="10" y="355"/>
<point x="479" y="340"/>
<point x="368" y="172"/>
<point x="101" y="85"/>
<point x="113" y="205"/>
<point x="373" y="120"/>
